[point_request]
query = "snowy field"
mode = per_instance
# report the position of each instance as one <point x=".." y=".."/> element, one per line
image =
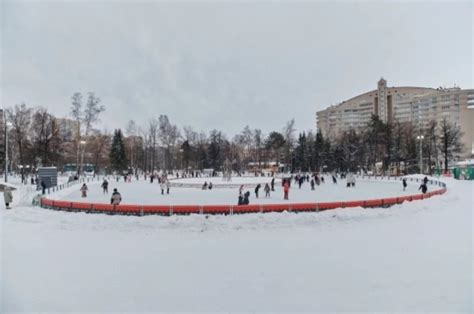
<point x="415" y="257"/>
<point x="143" y="192"/>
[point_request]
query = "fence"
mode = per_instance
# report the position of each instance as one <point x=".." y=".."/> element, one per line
<point x="141" y="210"/>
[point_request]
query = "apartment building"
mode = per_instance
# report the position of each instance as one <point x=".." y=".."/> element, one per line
<point x="418" y="105"/>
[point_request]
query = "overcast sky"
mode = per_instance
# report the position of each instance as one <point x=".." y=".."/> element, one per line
<point x="226" y="65"/>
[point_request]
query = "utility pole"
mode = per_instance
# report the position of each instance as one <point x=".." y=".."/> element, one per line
<point x="6" y="144"/>
<point x="420" y="138"/>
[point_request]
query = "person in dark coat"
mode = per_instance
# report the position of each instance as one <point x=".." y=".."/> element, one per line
<point x="312" y="184"/>
<point x="404" y="181"/>
<point x="241" y="200"/>
<point x="334" y="180"/>
<point x="267" y="190"/>
<point x="43" y="187"/>
<point x="423" y="187"/>
<point x="210" y="186"/>
<point x="273" y="184"/>
<point x="246" y="198"/>
<point x="425" y="180"/>
<point x="300" y="182"/>
<point x="105" y="186"/>
<point x="257" y="188"/>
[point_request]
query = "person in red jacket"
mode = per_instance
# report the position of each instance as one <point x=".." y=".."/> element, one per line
<point x="286" y="189"/>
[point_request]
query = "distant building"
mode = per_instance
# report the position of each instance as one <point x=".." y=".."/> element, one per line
<point x="418" y="105"/>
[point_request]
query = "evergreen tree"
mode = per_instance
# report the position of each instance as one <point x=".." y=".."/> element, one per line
<point x="118" y="157"/>
<point x="317" y="151"/>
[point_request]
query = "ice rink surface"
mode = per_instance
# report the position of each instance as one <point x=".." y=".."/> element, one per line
<point x="144" y="192"/>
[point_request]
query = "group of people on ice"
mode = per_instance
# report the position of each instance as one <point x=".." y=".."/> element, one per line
<point x="116" y="196"/>
<point x="206" y="186"/>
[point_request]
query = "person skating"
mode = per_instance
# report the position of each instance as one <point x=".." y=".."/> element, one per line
<point x="167" y="187"/>
<point x="404" y="182"/>
<point x="425" y="180"/>
<point x="43" y="187"/>
<point x="334" y="179"/>
<point x="312" y="184"/>
<point x="267" y="190"/>
<point x="246" y="198"/>
<point x="204" y="186"/>
<point x="241" y="190"/>
<point x="84" y="190"/>
<point x="286" y="190"/>
<point x="273" y="184"/>
<point x="210" y="186"/>
<point x="7" y="197"/>
<point x="423" y="187"/>
<point x="317" y="180"/>
<point x="116" y="198"/>
<point x="240" y="200"/>
<point x="163" y="187"/>
<point x="257" y="188"/>
<point x="105" y="187"/>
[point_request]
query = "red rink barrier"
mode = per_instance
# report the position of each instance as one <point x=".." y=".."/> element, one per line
<point x="373" y="203"/>
<point x="103" y="208"/>
<point x="278" y="208"/>
<point x="133" y="209"/>
<point x="354" y="204"/>
<point x="156" y="209"/>
<point x="216" y="209"/>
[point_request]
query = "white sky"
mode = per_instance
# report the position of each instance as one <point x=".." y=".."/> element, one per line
<point x="225" y="65"/>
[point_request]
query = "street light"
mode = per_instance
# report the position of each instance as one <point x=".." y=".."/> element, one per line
<point x="420" y="138"/>
<point x="6" y="145"/>
<point x="83" y="143"/>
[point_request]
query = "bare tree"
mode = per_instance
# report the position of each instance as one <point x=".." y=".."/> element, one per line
<point x="431" y="144"/>
<point x="85" y="117"/>
<point x="169" y="134"/>
<point x="450" y="141"/>
<point x="100" y="146"/>
<point x="131" y="142"/>
<point x="153" y="130"/>
<point x="258" y="142"/>
<point x="289" y="135"/>
<point x="45" y="132"/>
<point x="20" y="118"/>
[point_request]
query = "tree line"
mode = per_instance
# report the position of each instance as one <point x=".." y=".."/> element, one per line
<point x="38" y="138"/>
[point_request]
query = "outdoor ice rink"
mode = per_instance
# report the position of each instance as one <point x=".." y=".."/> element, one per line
<point x="144" y="192"/>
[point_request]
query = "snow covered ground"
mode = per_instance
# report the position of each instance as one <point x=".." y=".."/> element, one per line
<point x="412" y="257"/>
<point x="143" y="192"/>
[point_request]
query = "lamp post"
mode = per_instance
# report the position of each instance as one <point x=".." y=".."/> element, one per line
<point x="6" y="145"/>
<point x="420" y="138"/>
<point x="83" y="144"/>
<point x="181" y="159"/>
